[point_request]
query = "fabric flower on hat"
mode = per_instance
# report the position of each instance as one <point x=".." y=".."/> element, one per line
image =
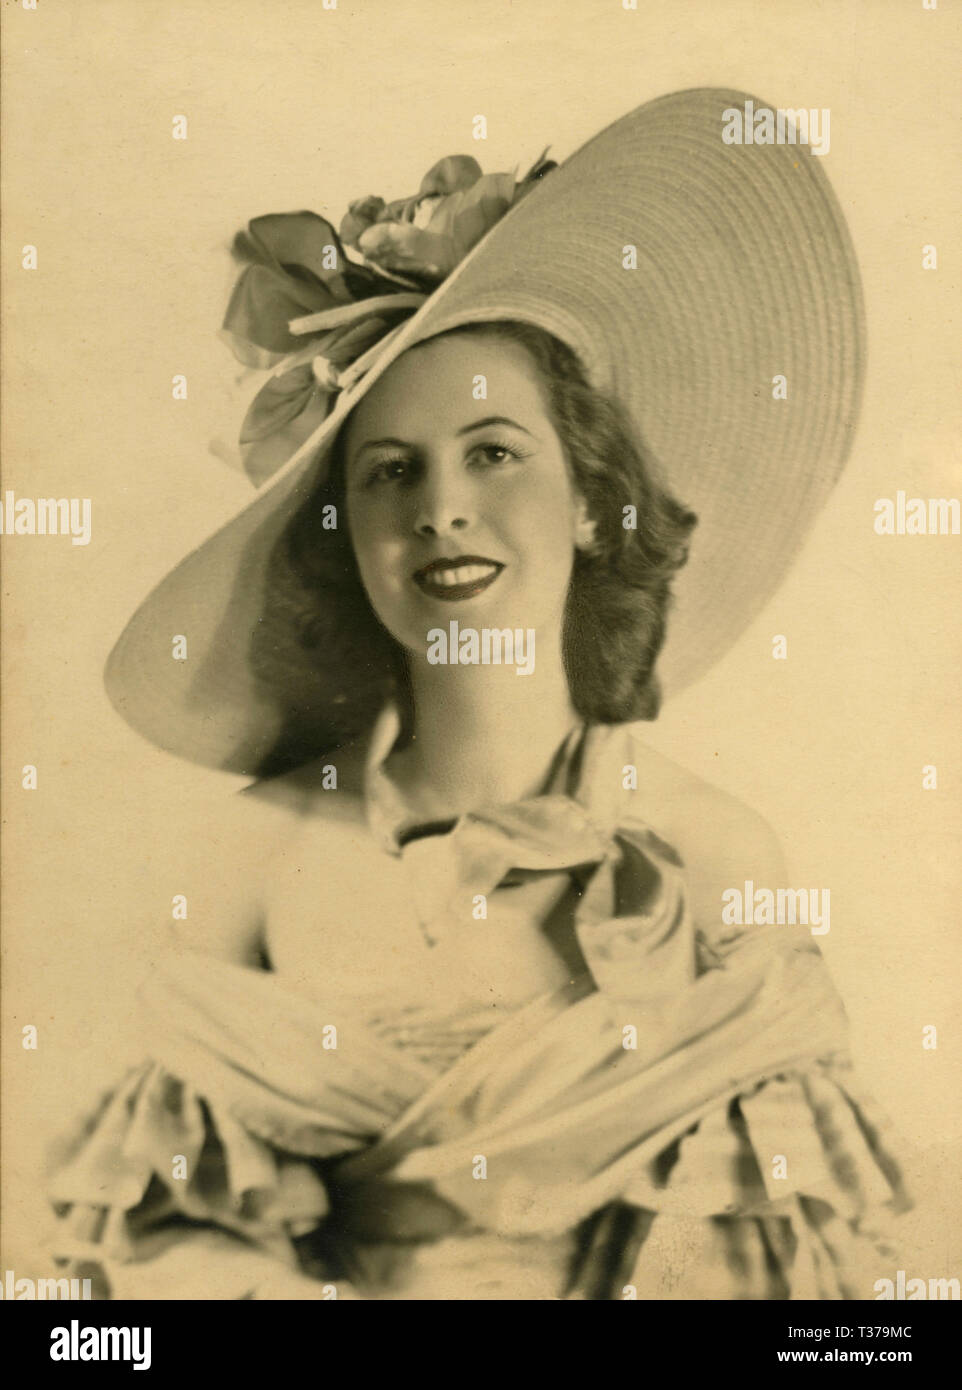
<point x="425" y="236"/>
<point x="310" y="314"/>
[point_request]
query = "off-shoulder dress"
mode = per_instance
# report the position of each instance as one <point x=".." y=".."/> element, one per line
<point x="677" y="1120"/>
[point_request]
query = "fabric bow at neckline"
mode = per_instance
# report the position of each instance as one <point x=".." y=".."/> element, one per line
<point x="631" y="919"/>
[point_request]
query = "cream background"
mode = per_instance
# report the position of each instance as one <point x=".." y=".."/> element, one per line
<point x="289" y="106"/>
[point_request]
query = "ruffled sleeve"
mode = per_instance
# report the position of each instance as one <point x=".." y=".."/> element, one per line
<point x="160" y="1168"/>
<point x="790" y="1191"/>
<point x="197" y="1173"/>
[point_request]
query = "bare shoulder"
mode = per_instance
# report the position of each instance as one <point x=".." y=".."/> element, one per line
<point x="721" y="840"/>
<point x="305" y="793"/>
<point x="235" y="842"/>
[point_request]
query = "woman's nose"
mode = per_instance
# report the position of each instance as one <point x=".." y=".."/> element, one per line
<point x="443" y="504"/>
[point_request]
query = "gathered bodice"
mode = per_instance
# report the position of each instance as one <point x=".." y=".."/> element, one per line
<point x="435" y="1037"/>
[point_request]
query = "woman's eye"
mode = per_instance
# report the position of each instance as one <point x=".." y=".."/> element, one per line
<point x="495" y="453"/>
<point x="388" y="470"/>
<point x="405" y="470"/>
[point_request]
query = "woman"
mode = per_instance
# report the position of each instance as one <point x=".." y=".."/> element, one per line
<point x="504" y="1045"/>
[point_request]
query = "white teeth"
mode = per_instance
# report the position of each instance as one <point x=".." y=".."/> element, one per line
<point x="465" y="574"/>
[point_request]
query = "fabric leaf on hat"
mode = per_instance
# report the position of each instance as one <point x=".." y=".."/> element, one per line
<point x="282" y="415"/>
<point x="298" y="242"/>
<point x="261" y="306"/>
<point x="285" y="277"/>
<point x="277" y="403"/>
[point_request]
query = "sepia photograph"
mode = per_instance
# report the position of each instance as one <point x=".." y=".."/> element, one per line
<point x="481" y="741"/>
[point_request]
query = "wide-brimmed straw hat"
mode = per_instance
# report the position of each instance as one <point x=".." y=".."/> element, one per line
<point x="687" y="273"/>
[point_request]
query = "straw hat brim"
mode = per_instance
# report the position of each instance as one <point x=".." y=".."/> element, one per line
<point x="745" y="271"/>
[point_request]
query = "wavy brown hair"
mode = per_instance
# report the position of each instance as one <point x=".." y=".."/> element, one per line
<point x="330" y="663"/>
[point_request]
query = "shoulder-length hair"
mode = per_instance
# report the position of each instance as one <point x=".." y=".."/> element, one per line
<point x="330" y="664"/>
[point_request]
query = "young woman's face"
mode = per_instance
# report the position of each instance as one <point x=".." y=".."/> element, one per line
<point x="460" y="508"/>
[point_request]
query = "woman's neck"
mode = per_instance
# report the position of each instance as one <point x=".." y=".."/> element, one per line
<point x="481" y="734"/>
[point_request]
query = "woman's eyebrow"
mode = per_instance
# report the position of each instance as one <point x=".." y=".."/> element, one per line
<point x="388" y="439"/>
<point x="493" y="420"/>
<point x="465" y="429"/>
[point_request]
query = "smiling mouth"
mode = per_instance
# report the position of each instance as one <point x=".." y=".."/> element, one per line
<point x="462" y="577"/>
